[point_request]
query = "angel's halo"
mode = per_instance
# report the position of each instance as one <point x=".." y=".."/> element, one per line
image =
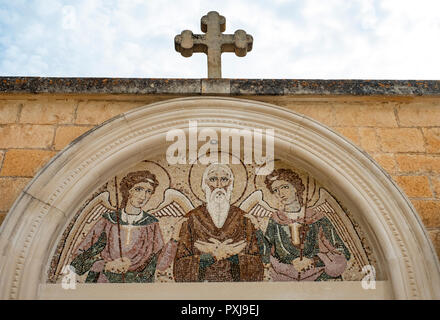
<point x="238" y="170"/>
<point x="155" y="168"/>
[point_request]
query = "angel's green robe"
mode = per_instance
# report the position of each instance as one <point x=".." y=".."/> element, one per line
<point x="277" y="241"/>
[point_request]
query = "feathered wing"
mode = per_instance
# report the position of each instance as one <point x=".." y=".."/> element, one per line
<point x="175" y="204"/>
<point x="87" y="218"/>
<point x="330" y="208"/>
<point x="255" y="205"/>
<point x="171" y="212"/>
<point x="258" y="210"/>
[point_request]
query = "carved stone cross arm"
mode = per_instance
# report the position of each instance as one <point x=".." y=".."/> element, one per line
<point x="213" y="42"/>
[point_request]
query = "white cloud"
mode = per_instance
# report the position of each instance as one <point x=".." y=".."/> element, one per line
<point x="394" y="39"/>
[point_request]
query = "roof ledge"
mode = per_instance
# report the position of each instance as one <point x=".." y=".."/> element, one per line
<point x="230" y="87"/>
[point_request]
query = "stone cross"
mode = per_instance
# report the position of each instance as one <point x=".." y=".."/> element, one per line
<point x="213" y="42"/>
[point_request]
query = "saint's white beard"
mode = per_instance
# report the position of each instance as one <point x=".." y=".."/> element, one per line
<point x="218" y="204"/>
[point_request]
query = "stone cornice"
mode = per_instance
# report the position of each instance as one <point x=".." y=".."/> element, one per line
<point x="230" y="87"/>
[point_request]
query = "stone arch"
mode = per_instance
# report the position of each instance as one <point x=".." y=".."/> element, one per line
<point x="34" y="225"/>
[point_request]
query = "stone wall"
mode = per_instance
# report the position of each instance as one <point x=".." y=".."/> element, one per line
<point x="402" y="133"/>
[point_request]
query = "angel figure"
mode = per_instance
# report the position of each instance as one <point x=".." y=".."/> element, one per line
<point x="300" y="242"/>
<point x="126" y="245"/>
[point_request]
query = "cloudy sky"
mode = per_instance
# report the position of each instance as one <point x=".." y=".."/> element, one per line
<point x="307" y="39"/>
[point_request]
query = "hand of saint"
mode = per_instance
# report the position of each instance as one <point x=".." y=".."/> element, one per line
<point x="119" y="265"/>
<point x="231" y="249"/>
<point x="207" y="247"/>
<point x="220" y="250"/>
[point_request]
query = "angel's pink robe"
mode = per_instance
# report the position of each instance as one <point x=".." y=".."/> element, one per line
<point x="141" y="242"/>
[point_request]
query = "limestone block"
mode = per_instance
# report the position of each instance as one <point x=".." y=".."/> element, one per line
<point x="423" y="114"/>
<point x="401" y="140"/>
<point x="9" y="111"/>
<point x="368" y="139"/>
<point x="429" y="211"/>
<point x="48" y="111"/>
<point x="218" y="86"/>
<point x="432" y="136"/>
<point x="26" y="136"/>
<point x="96" y="112"/>
<point x="418" y="163"/>
<point x="25" y="163"/>
<point x="65" y="135"/>
<point x="366" y="115"/>
<point x="415" y="186"/>
<point x="321" y="113"/>
<point x="351" y="133"/>
<point x="387" y="161"/>
<point x="436" y="185"/>
<point x="10" y="188"/>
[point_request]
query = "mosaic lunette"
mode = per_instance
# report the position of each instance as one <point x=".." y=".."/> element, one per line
<point x="189" y="223"/>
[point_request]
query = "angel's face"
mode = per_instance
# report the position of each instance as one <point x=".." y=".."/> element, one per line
<point x="284" y="191"/>
<point x="139" y="194"/>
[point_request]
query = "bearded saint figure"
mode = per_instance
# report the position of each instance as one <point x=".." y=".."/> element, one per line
<point x="217" y="242"/>
<point x="126" y="245"/>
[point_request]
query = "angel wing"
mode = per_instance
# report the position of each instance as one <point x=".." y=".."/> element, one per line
<point x="171" y="212"/>
<point x="330" y="208"/>
<point x="87" y="218"/>
<point x="256" y="206"/>
<point x="258" y="210"/>
<point x="175" y="204"/>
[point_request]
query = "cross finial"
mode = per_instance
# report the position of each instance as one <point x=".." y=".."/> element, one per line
<point x="213" y="42"/>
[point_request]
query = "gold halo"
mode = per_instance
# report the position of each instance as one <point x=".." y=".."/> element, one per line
<point x="238" y="170"/>
<point x="269" y="197"/>
<point x="146" y="165"/>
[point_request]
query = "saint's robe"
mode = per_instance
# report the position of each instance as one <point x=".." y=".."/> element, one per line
<point x="192" y="265"/>
<point x="141" y="242"/>
<point x="320" y="242"/>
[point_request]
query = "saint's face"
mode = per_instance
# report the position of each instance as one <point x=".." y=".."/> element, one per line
<point x="284" y="191"/>
<point x="139" y="194"/>
<point x="218" y="178"/>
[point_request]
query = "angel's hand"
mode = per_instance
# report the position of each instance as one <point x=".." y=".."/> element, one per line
<point x="325" y="245"/>
<point x="302" y="264"/>
<point x="119" y="265"/>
